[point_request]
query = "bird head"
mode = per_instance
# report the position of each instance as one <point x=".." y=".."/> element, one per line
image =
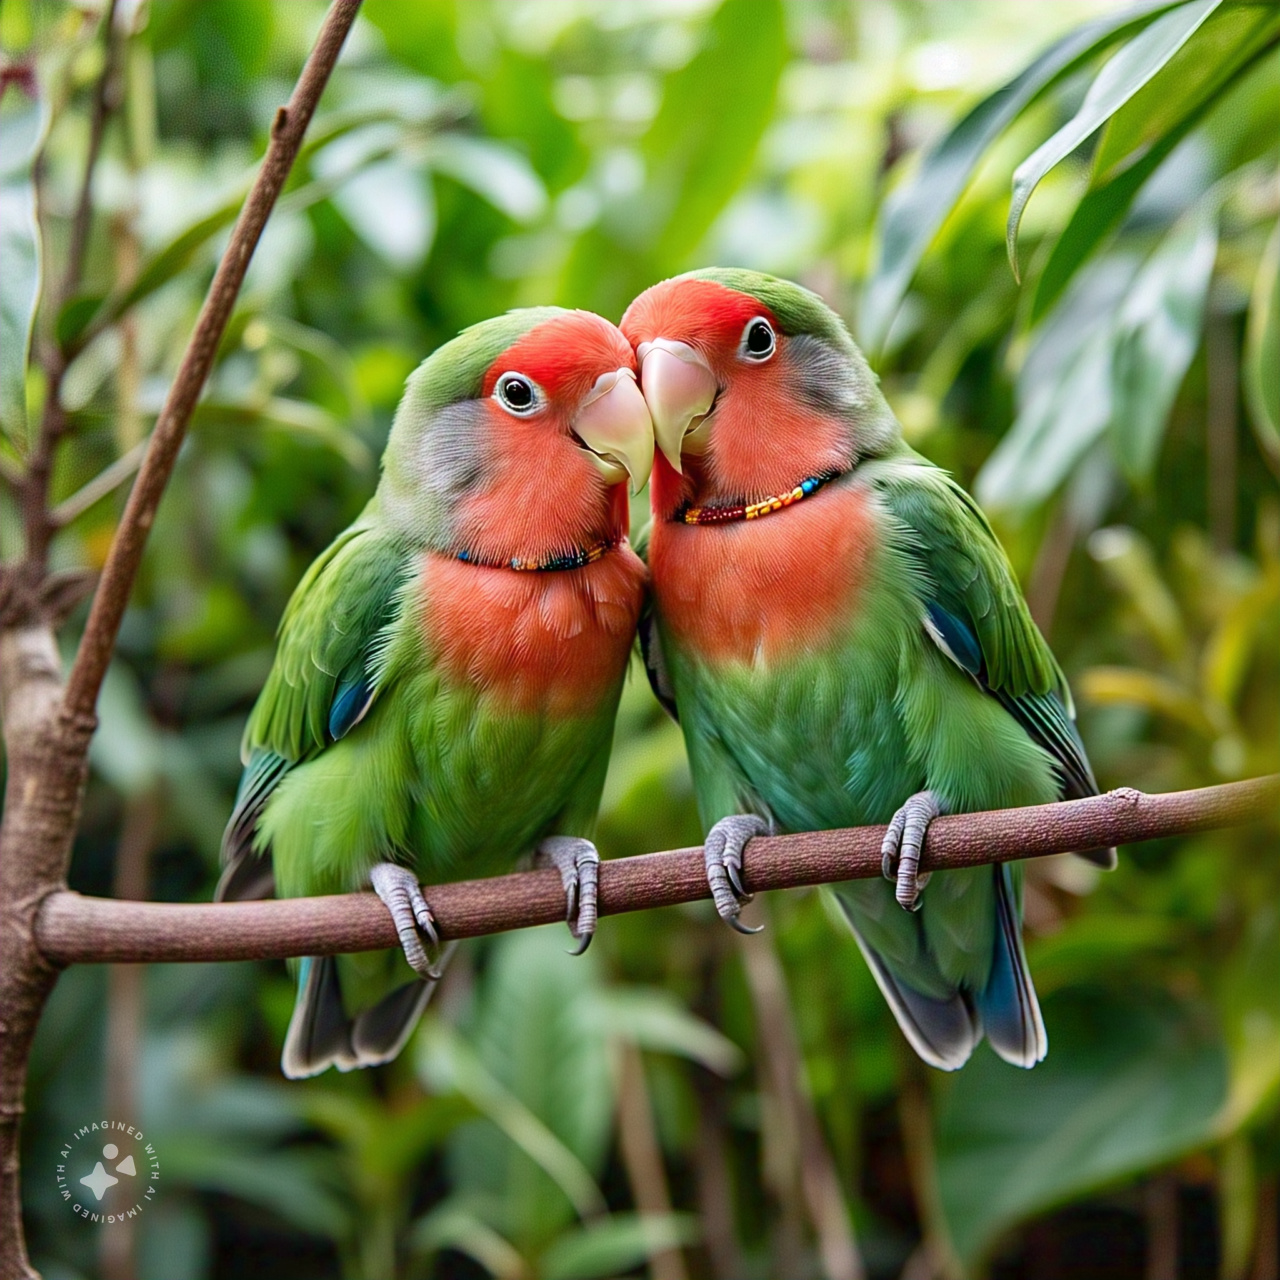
<point x="516" y="438"/>
<point x="753" y="384"/>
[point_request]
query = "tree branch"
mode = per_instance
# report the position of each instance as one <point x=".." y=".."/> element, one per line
<point x="112" y="596"/>
<point x="74" y="929"/>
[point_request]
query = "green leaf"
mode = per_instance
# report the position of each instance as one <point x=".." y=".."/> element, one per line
<point x="714" y="112"/>
<point x="1131" y="1080"/>
<point x="653" y="1019"/>
<point x="451" y="1225"/>
<point x="619" y="1244"/>
<point x="22" y="131"/>
<point x="1181" y="96"/>
<point x="1063" y="392"/>
<point x="1157" y="333"/>
<point x="1197" y="73"/>
<point x="1262" y="351"/>
<point x="913" y="211"/>
<point x="447" y="1061"/>
<point x="1120" y="79"/>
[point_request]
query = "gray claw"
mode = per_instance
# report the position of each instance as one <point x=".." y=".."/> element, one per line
<point x="579" y="865"/>
<point x="401" y="894"/>
<point x="723" y="855"/>
<point x="900" y="851"/>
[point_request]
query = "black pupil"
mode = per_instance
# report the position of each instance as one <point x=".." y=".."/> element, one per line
<point x="517" y="393"/>
<point x="759" y="338"/>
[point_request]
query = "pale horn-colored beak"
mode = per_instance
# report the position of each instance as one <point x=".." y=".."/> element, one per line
<point x="614" y="426"/>
<point x="679" y="388"/>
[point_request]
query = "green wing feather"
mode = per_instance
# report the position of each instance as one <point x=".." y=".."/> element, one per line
<point x="328" y="642"/>
<point x="321" y="684"/>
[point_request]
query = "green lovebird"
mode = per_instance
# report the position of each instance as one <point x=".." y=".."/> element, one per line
<point x="447" y="673"/>
<point x="844" y="643"/>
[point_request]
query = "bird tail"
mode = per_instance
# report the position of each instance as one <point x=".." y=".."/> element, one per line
<point x="321" y="1035"/>
<point x="943" y="1032"/>
<point x="1008" y="1004"/>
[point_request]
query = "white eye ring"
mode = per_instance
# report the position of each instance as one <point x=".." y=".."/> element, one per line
<point x="757" y="354"/>
<point x="518" y="394"/>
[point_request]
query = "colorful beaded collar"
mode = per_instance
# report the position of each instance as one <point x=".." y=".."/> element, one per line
<point x="552" y="563"/>
<point x="755" y="510"/>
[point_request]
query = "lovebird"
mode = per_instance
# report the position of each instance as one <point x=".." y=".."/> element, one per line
<point x="447" y="673"/>
<point x="843" y="641"/>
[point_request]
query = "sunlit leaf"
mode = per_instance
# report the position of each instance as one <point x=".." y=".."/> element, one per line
<point x="1262" y="351"/>
<point x="1122" y="77"/>
<point x="1156" y="334"/>
<point x="20" y="139"/>
<point x="1202" y="68"/>
<point x="914" y="210"/>
<point x="448" y="1061"/>
<point x="619" y="1244"/>
<point x="498" y="173"/>
<point x="1154" y="693"/>
<point x="451" y="1225"/>
<point x="1131" y="1080"/>
<point x="655" y="1020"/>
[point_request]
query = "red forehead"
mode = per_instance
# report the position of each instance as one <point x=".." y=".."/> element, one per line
<point x="703" y="313"/>
<point x="565" y="355"/>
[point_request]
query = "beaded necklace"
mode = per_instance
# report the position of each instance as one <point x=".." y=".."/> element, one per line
<point x="755" y="510"/>
<point x="552" y="563"/>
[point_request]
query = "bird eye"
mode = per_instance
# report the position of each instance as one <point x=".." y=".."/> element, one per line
<point x="758" y="341"/>
<point x="518" y="394"/>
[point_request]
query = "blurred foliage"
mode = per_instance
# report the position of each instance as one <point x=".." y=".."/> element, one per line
<point x="1118" y="411"/>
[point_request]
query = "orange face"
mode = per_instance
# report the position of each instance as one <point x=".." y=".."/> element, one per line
<point x="722" y="383"/>
<point x="564" y="426"/>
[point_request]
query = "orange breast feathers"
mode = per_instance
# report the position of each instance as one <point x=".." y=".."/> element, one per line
<point x="762" y="590"/>
<point x="554" y="642"/>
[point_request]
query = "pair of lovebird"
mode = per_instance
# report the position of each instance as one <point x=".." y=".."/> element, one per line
<point x="829" y="616"/>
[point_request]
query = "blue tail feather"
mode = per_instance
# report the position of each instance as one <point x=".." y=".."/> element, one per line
<point x="1010" y="1010"/>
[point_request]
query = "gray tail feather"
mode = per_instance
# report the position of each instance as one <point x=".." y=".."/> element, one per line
<point x="943" y="1032"/>
<point x="1010" y="1010"/>
<point x="320" y="1034"/>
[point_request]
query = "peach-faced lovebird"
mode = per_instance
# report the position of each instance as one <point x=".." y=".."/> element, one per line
<point x="843" y="641"/>
<point x="448" y="671"/>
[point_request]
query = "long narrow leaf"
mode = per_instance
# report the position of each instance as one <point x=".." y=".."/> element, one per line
<point x="449" y="1062"/>
<point x="1118" y="81"/>
<point x="1262" y="352"/>
<point x="20" y="141"/>
<point x="914" y="211"/>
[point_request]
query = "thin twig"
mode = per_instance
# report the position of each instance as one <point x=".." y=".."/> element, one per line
<point x="74" y="929"/>
<point x="106" y="481"/>
<point x="106" y="98"/>
<point x="53" y="418"/>
<point x="112" y="596"/>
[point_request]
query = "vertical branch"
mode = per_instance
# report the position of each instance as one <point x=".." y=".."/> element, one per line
<point x="642" y="1156"/>
<point x="935" y="1256"/>
<point x="1160" y="1210"/>
<point x="118" y="574"/>
<point x="819" y="1181"/>
<point x="46" y="728"/>
<point x="53" y="419"/>
<point x="1266" y="1249"/>
<point x="118" y="1243"/>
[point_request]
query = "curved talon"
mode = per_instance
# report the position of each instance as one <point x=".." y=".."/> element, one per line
<point x="401" y="894"/>
<point x="723" y="856"/>
<point x="579" y="865"/>
<point x="902" y="845"/>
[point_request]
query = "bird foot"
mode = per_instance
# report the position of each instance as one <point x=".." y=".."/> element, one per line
<point x="401" y="894"/>
<point x="578" y="863"/>
<point x="900" y="852"/>
<point x="723" y="854"/>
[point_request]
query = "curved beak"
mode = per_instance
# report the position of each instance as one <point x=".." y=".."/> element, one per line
<point x="613" y="425"/>
<point x="679" y="388"/>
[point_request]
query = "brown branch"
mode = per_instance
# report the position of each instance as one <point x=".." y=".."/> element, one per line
<point x="118" y="574"/>
<point x="73" y="929"/>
